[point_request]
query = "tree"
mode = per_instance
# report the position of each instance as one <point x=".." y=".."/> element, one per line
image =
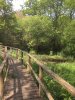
<point x="61" y="12"/>
<point x="38" y="29"/>
<point x="70" y="6"/>
<point x="69" y="39"/>
<point x="7" y="23"/>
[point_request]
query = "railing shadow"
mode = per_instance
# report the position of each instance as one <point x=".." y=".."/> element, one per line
<point x="23" y="84"/>
<point x="14" y="74"/>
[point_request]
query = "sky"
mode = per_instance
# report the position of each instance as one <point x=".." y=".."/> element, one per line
<point x="17" y="4"/>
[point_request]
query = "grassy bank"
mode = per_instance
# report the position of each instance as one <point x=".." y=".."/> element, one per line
<point x="65" y="68"/>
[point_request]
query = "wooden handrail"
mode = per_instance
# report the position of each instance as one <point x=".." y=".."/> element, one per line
<point x="57" y="78"/>
<point x="41" y="84"/>
<point x="3" y="78"/>
<point x="39" y="80"/>
<point x="3" y="68"/>
<point x="2" y="65"/>
<point x="61" y="81"/>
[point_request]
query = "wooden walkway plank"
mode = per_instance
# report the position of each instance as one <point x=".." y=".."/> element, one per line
<point x="20" y="84"/>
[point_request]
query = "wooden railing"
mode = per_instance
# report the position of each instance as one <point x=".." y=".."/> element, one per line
<point x="3" y="71"/>
<point x="42" y="67"/>
<point x="50" y="73"/>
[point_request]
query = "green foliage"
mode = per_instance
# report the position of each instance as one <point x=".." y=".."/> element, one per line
<point x="47" y="26"/>
<point x="7" y="23"/>
<point x="70" y="4"/>
<point x="69" y="39"/>
<point x="38" y="29"/>
<point x="65" y="70"/>
<point x="61" y="13"/>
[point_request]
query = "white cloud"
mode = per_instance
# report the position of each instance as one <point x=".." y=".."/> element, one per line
<point x="17" y="4"/>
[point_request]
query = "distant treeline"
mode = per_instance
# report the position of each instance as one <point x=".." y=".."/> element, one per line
<point x="46" y="25"/>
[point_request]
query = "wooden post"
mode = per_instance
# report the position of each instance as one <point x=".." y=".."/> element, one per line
<point x="40" y="77"/>
<point x="17" y="53"/>
<point x="7" y="64"/>
<point x="5" y="51"/>
<point x="1" y="87"/>
<point x="29" y="64"/>
<point x="10" y="51"/>
<point x="22" y="57"/>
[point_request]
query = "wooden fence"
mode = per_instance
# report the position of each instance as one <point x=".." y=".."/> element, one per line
<point x="3" y="70"/>
<point x="50" y="73"/>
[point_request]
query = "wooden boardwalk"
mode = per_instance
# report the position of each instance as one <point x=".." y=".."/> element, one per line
<point x="20" y="84"/>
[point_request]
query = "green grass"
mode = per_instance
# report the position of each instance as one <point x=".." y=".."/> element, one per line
<point x="66" y="70"/>
<point x="56" y="58"/>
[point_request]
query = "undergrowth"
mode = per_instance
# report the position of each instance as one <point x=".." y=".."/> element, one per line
<point x="66" y="70"/>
